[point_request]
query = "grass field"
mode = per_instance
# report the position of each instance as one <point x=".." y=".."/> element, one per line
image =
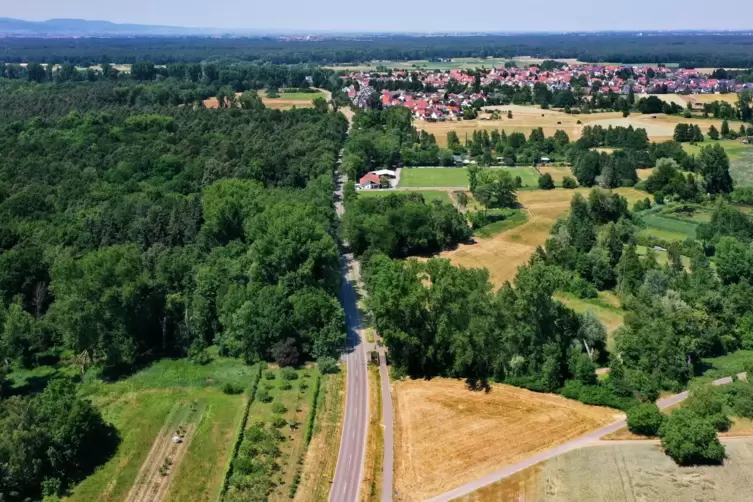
<point x="726" y="365"/>
<point x="513" y="218"/>
<point x="140" y="406"/>
<point x="505" y="252"/>
<point x="321" y="456"/>
<point x="447" y="435"/>
<point x="451" y="177"/>
<point x="627" y="473"/>
<point x="672" y="229"/>
<point x="606" y="307"/>
<point x="662" y="258"/>
<point x="740" y="158"/>
<point x="429" y="195"/>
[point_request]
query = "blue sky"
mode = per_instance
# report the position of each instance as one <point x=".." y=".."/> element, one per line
<point x="400" y="15"/>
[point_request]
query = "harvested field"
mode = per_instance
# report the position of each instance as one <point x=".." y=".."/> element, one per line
<point x="557" y="173"/>
<point x="667" y="98"/>
<point x="710" y="98"/>
<point x="627" y="472"/>
<point x="286" y="101"/>
<point x="506" y="251"/>
<point x="447" y="435"/>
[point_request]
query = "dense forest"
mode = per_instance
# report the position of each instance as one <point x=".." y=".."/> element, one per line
<point x="701" y="50"/>
<point x="132" y="231"/>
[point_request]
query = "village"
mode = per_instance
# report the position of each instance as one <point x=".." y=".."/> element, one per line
<point x="449" y="94"/>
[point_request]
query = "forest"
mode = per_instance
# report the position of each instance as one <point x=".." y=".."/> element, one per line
<point x="132" y="231"/>
<point x="688" y="49"/>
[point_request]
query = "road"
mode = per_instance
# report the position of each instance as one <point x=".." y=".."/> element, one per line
<point x="349" y="470"/>
<point x="580" y="442"/>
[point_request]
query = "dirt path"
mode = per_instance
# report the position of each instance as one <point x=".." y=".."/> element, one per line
<point x="151" y="485"/>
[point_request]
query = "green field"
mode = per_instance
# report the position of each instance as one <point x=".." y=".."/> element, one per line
<point x="605" y="307"/>
<point x="740" y="158"/>
<point x="513" y="218"/>
<point x="457" y="176"/>
<point x="303" y="96"/>
<point x="672" y="229"/>
<point x="726" y="365"/>
<point x="662" y="257"/>
<point x="429" y="195"/>
<point x="166" y="394"/>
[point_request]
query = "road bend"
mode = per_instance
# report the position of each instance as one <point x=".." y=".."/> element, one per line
<point x="349" y="469"/>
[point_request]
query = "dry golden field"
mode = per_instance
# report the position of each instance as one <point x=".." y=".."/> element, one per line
<point x="447" y="435"/>
<point x="627" y="472"/>
<point x="557" y="173"/>
<point x="282" y="103"/>
<point x="659" y="127"/>
<point x="503" y="253"/>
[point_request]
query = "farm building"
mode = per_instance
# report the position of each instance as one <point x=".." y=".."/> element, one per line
<point x="369" y="182"/>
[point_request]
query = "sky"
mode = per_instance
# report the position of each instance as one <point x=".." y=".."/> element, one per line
<point x="400" y="15"/>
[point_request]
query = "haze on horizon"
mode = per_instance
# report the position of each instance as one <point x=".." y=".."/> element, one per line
<point x="400" y="16"/>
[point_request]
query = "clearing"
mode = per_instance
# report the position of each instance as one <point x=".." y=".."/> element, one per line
<point x="454" y="177"/>
<point x="286" y="101"/>
<point x="627" y="472"/>
<point x="147" y="408"/>
<point x="505" y="252"/>
<point x="447" y="435"/>
<point x="606" y="307"/>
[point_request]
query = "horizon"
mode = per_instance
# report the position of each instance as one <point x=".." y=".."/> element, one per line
<point x="389" y="17"/>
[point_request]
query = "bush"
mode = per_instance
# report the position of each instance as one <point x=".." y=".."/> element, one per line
<point x="546" y="182"/>
<point x="690" y="439"/>
<point x="741" y="399"/>
<point x="645" y="419"/>
<point x="569" y="182"/>
<point x="229" y="388"/>
<point x="327" y="365"/>
<point x="289" y="374"/>
<point x="598" y="395"/>
<point x="262" y="395"/>
<point x="270" y="375"/>
<point x="278" y="422"/>
<point x="278" y="408"/>
<point x="286" y="385"/>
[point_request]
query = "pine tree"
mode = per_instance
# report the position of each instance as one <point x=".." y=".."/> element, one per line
<point x="725" y="128"/>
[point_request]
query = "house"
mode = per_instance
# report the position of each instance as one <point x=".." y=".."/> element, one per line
<point x="370" y="181"/>
<point x="385" y="172"/>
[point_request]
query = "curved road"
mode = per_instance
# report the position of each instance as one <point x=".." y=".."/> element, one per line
<point x="349" y="469"/>
<point x="585" y="440"/>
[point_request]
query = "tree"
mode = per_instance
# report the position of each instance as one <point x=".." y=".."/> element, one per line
<point x="286" y="353"/>
<point x="715" y="169"/>
<point x="690" y="439"/>
<point x="586" y="168"/>
<point x="645" y="419"/>
<point x="461" y="198"/>
<point x="725" y="129"/>
<point x="713" y="133"/>
<point x="580" y="224"/>
<point x="509" y="114"/>
<point x="546" y="182"/>
<point x="569" y="182"/>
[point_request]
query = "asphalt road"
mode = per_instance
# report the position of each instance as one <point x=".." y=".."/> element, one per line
<point x="585" y="440"/>
<point x="349" y="470"/>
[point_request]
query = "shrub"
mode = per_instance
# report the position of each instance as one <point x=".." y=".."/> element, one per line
<point x="278" y="408"/>
<point x="303" y="386"/>
<point x="286" y="385"/>
<point x="690" y="439"/>
<point x="270" y="375"/>
<point x="741" y="397"/>
<point x="546" y="182"/>
<point x="645" y="419"/>
<point x="569" y="182"/>
<point x="327" y="365"/>
<point x="229" y="388"/>
<point x="263" y="395"/>
<point x="289" y="374"/>
<point x="278" y="422"/>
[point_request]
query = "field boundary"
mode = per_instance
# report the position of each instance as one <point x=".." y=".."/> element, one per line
<point x="239" y="433"/>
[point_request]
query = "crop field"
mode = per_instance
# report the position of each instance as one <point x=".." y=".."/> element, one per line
<point x="503" y="253"/>
<point x="447" y="435"/>
<point x="147" y="409"/>
<point x="321" y="456"/>
<point x="457" y="177"/>
<point x="627" y="472"/>
<point x="673" y="229"/>
<point x="710" y="98"/>
<point x="276" y="425"/>
<point x="429" y="195"/>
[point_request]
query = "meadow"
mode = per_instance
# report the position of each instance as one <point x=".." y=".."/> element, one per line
<point x="147" y="407"/>
<point x="668" y="228"/>
<point x="606" y="306"/>
<point x="447" y="435"/>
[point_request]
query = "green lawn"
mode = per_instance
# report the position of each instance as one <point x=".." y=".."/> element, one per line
<point x="303" y="96"/>
<point x="457" y="176"/>
<point x="162" y="395"/>
<point x="727" y="365"/>
<point x="603" y="306"/>
<point x="429" y="195"/>
<point x="513" y="218"/>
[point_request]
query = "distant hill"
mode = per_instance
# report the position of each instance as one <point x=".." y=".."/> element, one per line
<point x="85" y="28"/>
